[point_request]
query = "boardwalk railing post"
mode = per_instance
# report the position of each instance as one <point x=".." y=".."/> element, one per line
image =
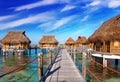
<point x="40" y="65"/>
<point x="74" y="55"/>
<point x="39" y="61"/>
<point x="84" y="64"/>
<point x="51" y="54"/>
<point x="104" y="62"/>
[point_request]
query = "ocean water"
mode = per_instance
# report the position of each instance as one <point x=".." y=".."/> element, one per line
<point x="26" y="65"/>
<point x="97" y="72"/>
<point x="24" y="68"/>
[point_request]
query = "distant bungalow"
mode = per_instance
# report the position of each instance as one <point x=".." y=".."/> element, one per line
<point x="15" y="40"/>
<point x="81" y="41"/>
<point x="107" y="37"/>
<point x="48" y="42"/>
<point x="70" y="43"/>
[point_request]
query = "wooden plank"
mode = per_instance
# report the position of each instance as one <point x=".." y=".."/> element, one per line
<point x="64" y="69"/>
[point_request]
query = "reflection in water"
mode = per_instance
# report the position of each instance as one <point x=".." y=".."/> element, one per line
<point x="14" y="68"/>
<point x="95" y="71"/>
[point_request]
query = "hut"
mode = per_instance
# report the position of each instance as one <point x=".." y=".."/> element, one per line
<point x="70" y="43"/>
<point x="48" y="41"/>
<point x="15" y="40"/>
<point x="81" y="41"/>
<point x="107" y="37"/>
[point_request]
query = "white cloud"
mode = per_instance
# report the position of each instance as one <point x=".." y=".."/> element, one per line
<point x="80" y="32"/>
<point x="39" y="3"/>
<point x="53" y="25"/>
<point x="94" y="3"/>
<point x="34" y="5"/>
<point x="114" y="3"/>
<point x="61" y="22"/>
<point x="84" y="18"/>
<point x="43" y="17"/>
<point x="2" y="18"/>
<point x="67" y="7"/>
<point x="46" y="24"/>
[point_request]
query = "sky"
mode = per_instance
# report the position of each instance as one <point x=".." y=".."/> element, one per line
<point x="62" y="18"/>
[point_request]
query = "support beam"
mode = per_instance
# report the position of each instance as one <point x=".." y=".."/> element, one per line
<point x="104" y="62"/>
<point x="74" y="55"/>
<point x="40" y="65"/>
<point x="84" y="64"/>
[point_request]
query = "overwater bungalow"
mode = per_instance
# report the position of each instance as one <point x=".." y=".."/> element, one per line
<point x="81" y="41"/>
<point x="48" y="41"/>
<point x="15" y="40"/>
<point x="70" y="43"/>
<point x="107" y="37"/>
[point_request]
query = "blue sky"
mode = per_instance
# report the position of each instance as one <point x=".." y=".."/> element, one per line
<point x="62" y="18"/>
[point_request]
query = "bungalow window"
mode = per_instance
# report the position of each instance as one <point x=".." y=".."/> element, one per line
<point x="116" y="44"/>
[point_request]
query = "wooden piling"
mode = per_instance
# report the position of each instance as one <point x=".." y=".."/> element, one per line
<point x="40" y="65"/>
<point x="104" y="62"/>
<point x="51" y="55"/>
<point x="84" y="64"/>
<point x="74" y="55"/>
<point x="92" y="59"/>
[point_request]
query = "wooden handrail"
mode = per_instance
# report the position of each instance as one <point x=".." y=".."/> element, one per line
<point x="107" y="67"/>
<point x="93" y="75"/>
<point x="48" y="69"/>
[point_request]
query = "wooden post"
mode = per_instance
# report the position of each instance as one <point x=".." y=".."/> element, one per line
<point x="92" y="62"/>
<point x="74" y="55"/>
<point x="4" y="59"/>
<point x="104" y="72"/>
<point x="104" y="62"/>
<point x="84" y="64"/>
<point x="3" y="52"/>
<point x="40" y="66"/>
<point x="51" y="55"/>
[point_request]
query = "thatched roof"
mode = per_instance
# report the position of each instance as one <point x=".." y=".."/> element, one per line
<point x="15" y="37"/>
<point x="109" y="30"/>
<point x="81" y="40"/>
<point x="48" y="39"/>
<point x="70" y="41"/>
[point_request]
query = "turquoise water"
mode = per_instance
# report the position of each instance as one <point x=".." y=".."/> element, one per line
<point x="23" y="68"/>
<point x="26" y="64"/>
<point x="100" y="73"/>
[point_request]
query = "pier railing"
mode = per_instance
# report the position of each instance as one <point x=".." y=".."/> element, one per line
<point x="45" y="75"/>
<point x="91" y="71"/>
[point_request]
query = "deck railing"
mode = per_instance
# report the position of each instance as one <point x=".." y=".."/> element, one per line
<point x="45" y="75"/>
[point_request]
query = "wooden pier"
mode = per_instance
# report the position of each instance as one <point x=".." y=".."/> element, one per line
<point x="64" y="69"/>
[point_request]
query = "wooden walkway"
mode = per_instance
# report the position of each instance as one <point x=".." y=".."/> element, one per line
<point x="64" y="69"/>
